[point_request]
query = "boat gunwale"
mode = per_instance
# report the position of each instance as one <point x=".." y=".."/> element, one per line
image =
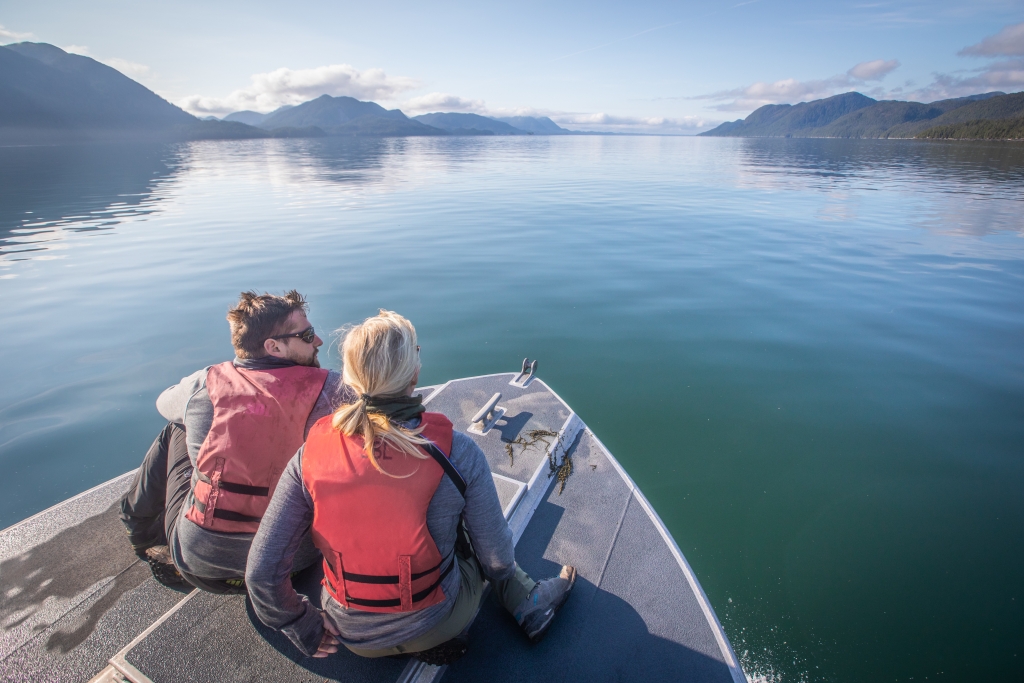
<point x="66" y="501"/>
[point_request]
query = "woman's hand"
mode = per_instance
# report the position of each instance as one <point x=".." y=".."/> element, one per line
<point x="329" y="643"/>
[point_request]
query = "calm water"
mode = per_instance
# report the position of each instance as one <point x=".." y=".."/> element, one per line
<point x="808" y="353"/>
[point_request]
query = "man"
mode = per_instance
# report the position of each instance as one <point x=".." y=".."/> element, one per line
<point x="205" y="483"/>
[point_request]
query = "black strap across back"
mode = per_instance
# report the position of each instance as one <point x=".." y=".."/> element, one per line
<point x="447" y="466"/>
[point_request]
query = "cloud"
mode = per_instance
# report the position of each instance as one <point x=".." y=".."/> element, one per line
<point x="77" y="50"/>
<point x="611" y="123"/>
<point x="790" y="90"/>
<point x="1007" y="43"/>
<point x="130" y="69"/>
<point x="873" y="71"/>
<point x="439" y="101"/>
<point x="273" y="89"/>
<point x="759" y="94"/>
<point x="1004" y="71"/>
<point x="1006" y="75"/>
<point x="9" y="36"/>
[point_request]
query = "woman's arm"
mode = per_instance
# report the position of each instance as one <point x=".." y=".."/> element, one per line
<point x="268" y="571"/>
<point x="488" y="530"/>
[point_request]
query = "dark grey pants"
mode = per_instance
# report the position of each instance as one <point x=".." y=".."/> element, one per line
<point x="153" y="502"/>
<point x="152" y="505"/>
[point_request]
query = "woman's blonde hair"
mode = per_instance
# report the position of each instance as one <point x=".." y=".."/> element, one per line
<point x="381" y="360"/>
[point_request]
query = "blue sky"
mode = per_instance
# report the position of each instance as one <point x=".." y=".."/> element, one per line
<point x="656" y="66"/>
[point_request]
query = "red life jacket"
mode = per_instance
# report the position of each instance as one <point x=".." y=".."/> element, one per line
<point x="372" y="528"/>
<point x="259" y="420"/>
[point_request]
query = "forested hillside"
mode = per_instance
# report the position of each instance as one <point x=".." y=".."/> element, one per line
<point x="852" y="115"/>
<point x="1000" y="129"/>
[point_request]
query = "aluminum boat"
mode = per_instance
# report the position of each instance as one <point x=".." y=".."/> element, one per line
<point x="77" y="605"/>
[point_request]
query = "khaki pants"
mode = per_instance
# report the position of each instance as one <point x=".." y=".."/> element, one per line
<point x="471" y="589"/>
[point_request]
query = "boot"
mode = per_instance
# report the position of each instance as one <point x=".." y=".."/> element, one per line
<point x="537" y="611"/>
<point x="158" y="557"/>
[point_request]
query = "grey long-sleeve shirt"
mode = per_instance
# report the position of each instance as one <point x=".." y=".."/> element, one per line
<point x="290" y="515"/>
<point x="216" y="554"/>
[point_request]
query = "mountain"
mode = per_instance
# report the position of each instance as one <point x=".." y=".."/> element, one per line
<point x="347" y="116"/>
<point x="48" y="95"/>
<point x="893" y="118"/>
<point x="853" y="115"/>
<point x="254" y="118"/>
<point x="41" y="85"/>
<point x="874" y="121"/>
<point x="250" y="118"/>
<point x="782" y="120"/>
<point x="538" y="125"/>
<point x="468" y="124"/>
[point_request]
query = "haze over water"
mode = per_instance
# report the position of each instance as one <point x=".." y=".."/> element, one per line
<point x="807" y="353"/>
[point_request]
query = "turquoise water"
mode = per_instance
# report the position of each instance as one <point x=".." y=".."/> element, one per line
<point x="808" y="353"/>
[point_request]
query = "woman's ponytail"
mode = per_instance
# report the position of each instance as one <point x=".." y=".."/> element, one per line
<point x="381" y="360"/>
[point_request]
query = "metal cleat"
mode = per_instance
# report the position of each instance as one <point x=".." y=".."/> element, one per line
<point x="487" y="416"/>
<point x="523" y="379"/>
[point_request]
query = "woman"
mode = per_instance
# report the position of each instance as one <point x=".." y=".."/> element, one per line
<point x="406" y="515"/>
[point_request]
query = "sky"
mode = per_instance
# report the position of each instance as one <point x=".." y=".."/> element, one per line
<point x="655" y="67"/>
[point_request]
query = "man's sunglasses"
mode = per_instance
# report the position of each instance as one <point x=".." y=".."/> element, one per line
<point x="307" y="335"/>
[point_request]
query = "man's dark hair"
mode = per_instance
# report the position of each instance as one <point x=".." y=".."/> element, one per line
<point x="257" y="317"/>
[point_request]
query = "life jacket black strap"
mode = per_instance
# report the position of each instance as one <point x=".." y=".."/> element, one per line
<point x="233" y="516"/>
<point x="447" y="466"/>
<point x="416" y="597"/>
<point x="371" y="578"/>
<point x="232" y="487"/>
<point x="229" y="515"/>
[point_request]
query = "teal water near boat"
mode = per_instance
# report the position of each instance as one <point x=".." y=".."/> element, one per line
<point x="807" y="353"/>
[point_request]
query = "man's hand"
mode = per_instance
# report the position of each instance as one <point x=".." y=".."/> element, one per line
<point x="329" y="643"/>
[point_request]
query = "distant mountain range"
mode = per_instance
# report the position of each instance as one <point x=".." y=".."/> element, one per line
<point x="345" y="116"/>
<point x="538" y="125"/>
<point x="852" y="115"/>
<point x="469" y="124"/>
<point x="49" y="95"/>
<point x="349" y="116"/>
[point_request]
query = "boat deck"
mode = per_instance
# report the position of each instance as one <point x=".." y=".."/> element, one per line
<point x="75" y="596"/>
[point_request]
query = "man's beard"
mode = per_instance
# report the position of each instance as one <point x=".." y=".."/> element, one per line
<point x="311" y="362"/>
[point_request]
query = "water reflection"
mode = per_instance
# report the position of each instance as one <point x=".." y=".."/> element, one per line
<point x="344" y="161"/>
<point x="384" y="163"/>
<point x="48" y="191"/>
<point x="985" y="169"/>
<point x="959" y="188"/>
